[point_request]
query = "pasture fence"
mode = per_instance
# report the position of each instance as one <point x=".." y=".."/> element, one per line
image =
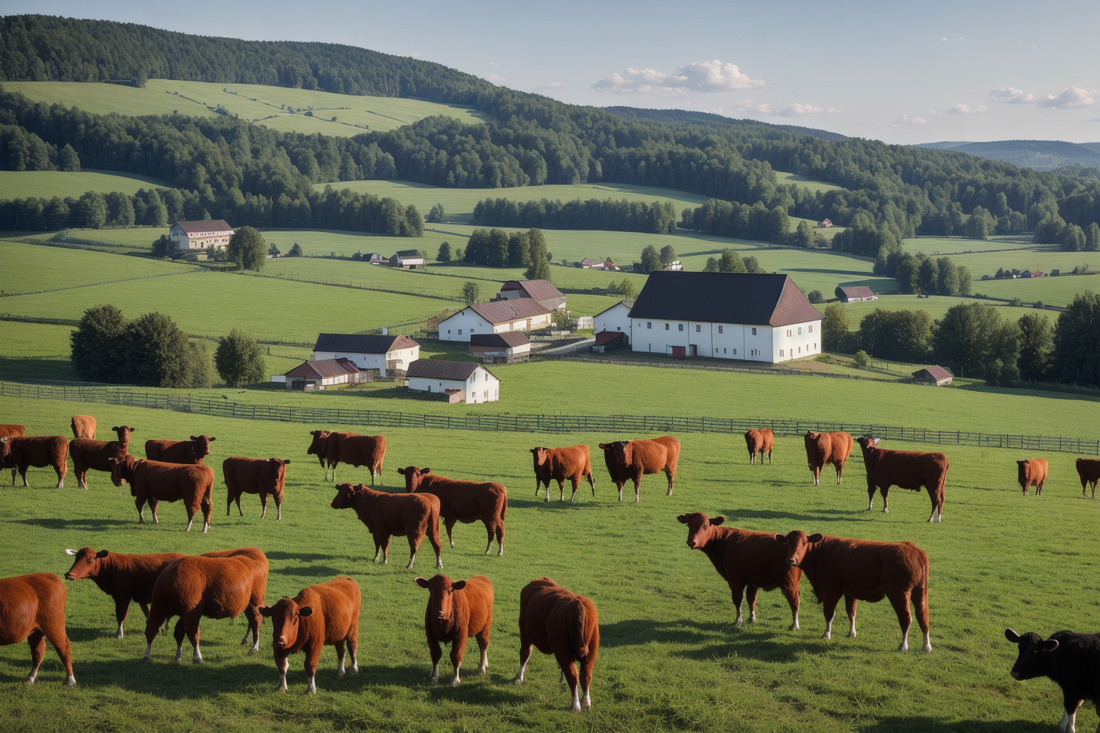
<point x="520" y="423"/>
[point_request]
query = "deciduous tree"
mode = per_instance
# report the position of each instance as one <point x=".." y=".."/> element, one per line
<point x="1036" y="347"/>
<point x="470" y="292"/>
<point x="248" y="249"/>
<point x="239" y="359"/>
<point x="97" y="345"/>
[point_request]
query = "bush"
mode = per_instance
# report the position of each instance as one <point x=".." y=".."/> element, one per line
<point x="861" y="359"/>
<point x="239" y="359"/>
<point x="815" y="297"/>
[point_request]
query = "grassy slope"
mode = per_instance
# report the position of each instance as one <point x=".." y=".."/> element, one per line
<point x="936" y="306"/>
<point x="33" y="269"/>
<point x="47" y="184"/>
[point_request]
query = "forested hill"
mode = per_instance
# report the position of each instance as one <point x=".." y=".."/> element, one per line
<point x="689" y="117"/>
<point x="1037" y="154"/>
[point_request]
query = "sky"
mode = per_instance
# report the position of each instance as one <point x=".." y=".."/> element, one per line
<point x="903" y="73"/>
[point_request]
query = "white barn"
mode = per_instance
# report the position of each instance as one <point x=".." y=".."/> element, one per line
<point x="615" y="319"/>
<point x="387" y="354"/>
<point x="521" y="314"/>
<point x="464" y="381"/>
<point x="750" y="317"/>
<point x="192" y="235"/>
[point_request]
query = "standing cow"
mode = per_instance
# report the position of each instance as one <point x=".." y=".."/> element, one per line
<point x="635" y="458"/>
<point x="823" y="449"/>
<point x="463" y="501"/>
<point x="96" y="454"/>
<point x="18" y="453"/>
<point x="356" y="450"/>
<point x="907" y="470"/>
<point x="254" y="476"/>
<point x="1031" y="472"/>
<point x="83" y="427"/>
<point x="320" y="615"/>
<point x="457" y="610"/>
<point x="760" y="441"/>
<point x="565" y="624"/>
<point x="561" y="464"/>
<point x="1070" y="659"/>
<point x="179" y="451"/>
<point x="32" y="607"/>
<point x="863" y="570"/>
<point x="393" y="515"/>
<point x="746" y="559"/>
<point x="1088" y="469"/>
<point x="12" y="431"/>
<point x="155" y="481"/>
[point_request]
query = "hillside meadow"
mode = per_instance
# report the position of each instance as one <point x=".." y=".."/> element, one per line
<point x="68" y="184"/>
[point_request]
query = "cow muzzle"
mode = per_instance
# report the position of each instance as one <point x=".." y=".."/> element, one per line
<point x="1015" y="675"/>
<point x="792" y="562"/>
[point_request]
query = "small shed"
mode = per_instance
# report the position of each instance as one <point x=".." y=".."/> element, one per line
<point x="408" y="259"/>
<point x="318" y="374"/>
<point x="608" y="340"/>
<point x="511" y="347"/>
<point x="374" y="258"/>
<point x="933" y="375"/>
<point x="459" y="381"/>
<point x="857" y="294"/>
<point x="585" y="264"/>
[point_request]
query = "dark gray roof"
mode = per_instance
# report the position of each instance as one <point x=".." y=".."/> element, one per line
<point x="724" y="297"/>
<point x="360" y="343"/>
<point x="323" y="368"/>
<point x="438" y="369"/>
<point x="509" y="339"/>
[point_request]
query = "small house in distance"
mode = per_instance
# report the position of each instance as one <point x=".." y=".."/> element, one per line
<point x="933" y="375"/>
<point x="540" y="291"/>
<point x="856" y="294"/>
<point x="501" y="348"/>
<point x="373" y="258"/>
<point x="318" y="374"/>
<point x="520" y="314"/>
<point x="390" y="355"/>
<point x="191" y="235"/>
<point x="408" y="259"/>
<point x="461" y="381"/>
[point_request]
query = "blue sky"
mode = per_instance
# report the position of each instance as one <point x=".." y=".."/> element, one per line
<point x="903" y="73"/>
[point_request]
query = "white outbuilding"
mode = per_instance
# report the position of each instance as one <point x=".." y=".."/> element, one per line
<point x="615" y="319"/>
<point x="463" y="381"/>
<point x="388" y="354"/>
<point x="521" y="314"/>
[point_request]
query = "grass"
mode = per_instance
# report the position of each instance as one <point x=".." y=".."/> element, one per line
<point x="808" y="183"/>
<point x="936" y="305"/>
<point x="35" y="269"/>
<point x="47" y="184"/>
<point x="1048" y="290"/>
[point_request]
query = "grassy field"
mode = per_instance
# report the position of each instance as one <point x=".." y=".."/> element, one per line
<point x="34" y="269"/>
<point x="808" y="183"/>
<point x="936" y="305"/>
<point x="47" y="184"/>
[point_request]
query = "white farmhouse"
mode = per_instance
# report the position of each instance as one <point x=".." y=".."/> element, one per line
<point x="387" y="354"/>
<point x="751" y="317"/>
<point x="463" y="381"/>
<point x="521" y="314"/>
<point x="191" y="235"/>
<point x="615" y="319"/>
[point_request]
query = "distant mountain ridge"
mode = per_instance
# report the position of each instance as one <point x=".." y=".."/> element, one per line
<point x="1041" y="155"/>
<point x="709" y="119"/>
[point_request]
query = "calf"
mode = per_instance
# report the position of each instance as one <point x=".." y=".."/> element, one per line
<point x="83" y="426"/>
<point x="179" y="451"/>
<point x="389" y="515"/>
<point x="1032" y="472"/>
<point x="456" y="611"/>
<point x="760" y="441"/>
<point x="32" y="607"/>
<point x="907" y="470"/>
<point x="154" y="482"/>
<point x="825" y="448"/>
<point x="1070" y="659"/>
<point x="558" y="622"/>
<point x="254" y="476"/>
<point x="559" y="464"/>
<point x="745" y="559"/>
<point x="40" y="451"/>
<point x="12" y="431"/>
<point x="96" y="454"/>
<point x="125" y="578"/>
<point x="322" y="614"/>
<point x="216" y="585"/>
<point x="463" y="501"/>
<point x="1088" y="469"/>
<point x="863" y="570"/>
<point x="634" y="458"/>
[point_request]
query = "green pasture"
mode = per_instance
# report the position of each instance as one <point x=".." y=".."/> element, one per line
<point x="35" y="351"/>
<point x="813" y="185"/>
<point x="33" y="269"/>
<point x="1048" y="290"/>
<point x="670" y="656"/>
<point x="111" y="240"/>
<point x="954" y="246"/>
<point x="936" y="305"/>
<point x="66" y="184"/>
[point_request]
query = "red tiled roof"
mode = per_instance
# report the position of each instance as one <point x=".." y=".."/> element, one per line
<point x="859" y="291"/>
<point x="537" y="289"/>
<point x="936" y="372"/>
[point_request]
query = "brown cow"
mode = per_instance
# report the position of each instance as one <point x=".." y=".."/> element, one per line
<point x="254" y="476"/>
<point x="32" y="607"/>
<point x="463" y="501"/>
<point x="863" y="570"/>
<point x="124" y="577"/>
<point x="634" y="458"/>
<point x="179" y="451"/>
<point x="94" y="454"/>
<point x="558" y="464"/>
<point x="1032" y="472"/>
<point x="36" y="450"/>
<point x="1087" y="468"/>
<point x="393" y="515"/>
<point x="825" y="448"/>
<point x="320" y="615"/>
<point x="156" y="481"/>
<point x="83" y="427"/>
<point x="564" y="624"/>
<point x="351" y="448"/>
<point x="746" y="559"/>
<point x="456" y="611"/>
<point x="907" y="470"/>
<point x="618" y="473"/>
<point x="760" y="441"/>
<point x="220" y="584"/>
<point x="12" y="431"/>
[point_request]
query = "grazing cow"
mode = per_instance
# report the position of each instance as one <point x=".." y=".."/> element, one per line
<point x="559" y="464"/>
<point x="634" y="458"/>
<point x="463" y="501"/>
<point x="322" y="614"/>
<point x="564" y="624"/>
<point x="825" y="448"/>
<point x="83" y="427"/>
<point x="37" y="450"/>
<point x="155" y="481"/>
<point x="351" y="448"/>
<point x="863" y="570"/>
<point x="1087" y="468"/>
<point x="746" y="559"/>
<point x="907" y="470"/>
<point x="1032" y="472"/>
<point x="220" y="584"/>
<point x="179" y="451"/>
<point x="12" y="431"/>
<point x="32" y="607"/>
<point x="393" y="515"/>
<point x="456" y="611"/>
<point x="254" y="476"/>
<point x="125" y="578"/>
<point x="1070" y="659"/>
<point x="87" y="453"/>
<point x="760" y="441"/>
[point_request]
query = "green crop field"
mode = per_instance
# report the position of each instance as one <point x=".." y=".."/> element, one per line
<point x="1048" y="290"/>
<point x="47" y="184"/>
<point x="808" y="183"/>
<point x="936" y="305"/>
<point x="32" y="269"/>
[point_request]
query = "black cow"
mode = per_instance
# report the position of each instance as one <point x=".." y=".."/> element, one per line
<point x="1072" y="660"/>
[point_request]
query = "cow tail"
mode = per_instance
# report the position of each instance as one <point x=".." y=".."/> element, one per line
<point x="580" y="650"/>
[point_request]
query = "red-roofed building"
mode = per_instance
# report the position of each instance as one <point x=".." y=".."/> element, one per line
<point x="936" y="375"/>
<point x="318" y="374"/>
<point x="191" y="235"/>
<point x="499" y="316"/>
<point x="541" y="291"/>
<point x="501" y="348"/>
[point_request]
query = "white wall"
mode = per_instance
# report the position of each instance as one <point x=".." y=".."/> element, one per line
<point x="726" y="340"/>
<point x="481" y="386"/>
<point x="459" y="326"/>
<point x="615" y="319"/>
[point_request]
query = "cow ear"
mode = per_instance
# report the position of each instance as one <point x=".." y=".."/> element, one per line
<point x="1049" y="645"/>
<point x="305" y="611"/>
<point x="717" y="520"/>
<point x="401" y="471"/>
<point x="1012" y="636"/>
<point x="422" y="582"/>
<point x="458" y="585"/>
<point x="425" y="470"/>
<point x="875" y="440"/>
<point x="682" y="519"/>
<point x="815" y="537"/>
<point x="603" y="446"/>
<point x="193" y="438"/>
<point x="781" y="538"/>
<point x="286" y="463"/>
<point x="534" y="450"/>
<point x="265" y="611"/>
<point x="70" y="552"/>
<point x="212" y="438"/>
<point x="102" y="554"/>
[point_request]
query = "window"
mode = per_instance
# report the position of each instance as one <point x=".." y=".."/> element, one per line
<point x="735" y="352"/>
<point x="811" y="328"/>
<point x="448" y="332"/>
<point x="666" y="326"/>
<point x="697" y="328"/>
<point x="681" y="326"/>
<point x="754" y="332"/>
<point x="460" y="332"/>
<point x="799" y="349"/>
<point x="618" y="328"/>
<point x="788" y="333"/>
<point x="719" y="329"/>
<point x="649" y="324"/>
<point x="800" y="330"/>
<point x="781" y="352"/>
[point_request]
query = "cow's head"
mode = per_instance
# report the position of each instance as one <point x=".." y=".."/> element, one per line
<point x="86" y="563"/>
<point x="441" y="612"/>
<point x="319" y="446"/>
<point x="797" y="544"/>
<point x="201" y="445"/>
<point x="284" y="616"/>
<point x="753" y="439"/>
<point x="345" y="496"/>
<point x="276" y="468"/>
<point x="5" y="454"/>
<point x="413" y="477"/>
<point x="123" y="433"/>
<point x="122" y="469"/>
<point x="623" y="450"/>
<point x="1035" y="654"/>
<point x="1023" y="473"/>
<point x="700" y="528"/>
<point x="867" y="442"/>
<point x="542" y="455"/>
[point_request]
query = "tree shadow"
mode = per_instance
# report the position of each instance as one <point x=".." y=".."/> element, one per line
<point x="932" y="725"/>
<point x="824" y="515"/>
<point x="725" y="639"/>
<point x="81" y="524"/>
<point x="310" y="571"/>
<point x="306" y="556"/>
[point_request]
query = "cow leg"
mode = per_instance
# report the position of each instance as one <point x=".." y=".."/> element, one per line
<point x="870" y="496"/>
<point x="157" y="615"/>
<point x="524" y="656"/>
<point x="449" y="523"/>
<point x="483" y="646"/>
<point x="637" y="489"/>
<point x="458" y="651"/>
<point x="82" y="479"/>
<point x="192" y="627"/>
<point x="769" y="458"/>
<point x="279" y="509"/>
<point x="37" y="642"/>
<point x="122" y="608"/>
<point x="816" y="475"/>
<point x="850" y="604"/>
<point x="313" y="655"/>
<point x="263" y="505"/>
<point x="436" y="654"/>
<point x="207" y="505"/>
<point x="751" y="598"/>
<point x="255" y="618"/>
<point x="621" y="491"/>
<point x="414" y="545"/>
<point x="178" y="634"/>
<point x="153" y="506"/>
<point x="377" y="550"/>
<point x="839" y="470"/>
<point x="569" y="670"/>
<point x="282" y="662"/>
<point x="576" y="481"/>
<point x="340" y="658"/>
<point x="668" y="473"/>
<point x="885" y="493"/>
<point x="791" y="594"/>
<point x="586" y="680"/>
<point x="592" y="483"/>
<point x="900" y="602"/>
<point x="54" y="630"/>
<point x="920" y="607"/>
<point x="1068" y="724"/>
<point x="353" y="647"/>
<point x="500" y="539"/>
<point x="828" y="606"/>
<point x="561" y="490"/>
<point x="736" y="591"/>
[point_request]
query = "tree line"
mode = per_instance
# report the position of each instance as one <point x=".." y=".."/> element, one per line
<point x="656" y="217"/>
<point x="497" y="248"/>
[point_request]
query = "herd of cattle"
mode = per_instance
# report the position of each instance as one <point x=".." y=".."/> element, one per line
<point x="227" y="583"/>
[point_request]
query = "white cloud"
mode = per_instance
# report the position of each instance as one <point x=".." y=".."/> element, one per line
<point x="1071" y="98"/>
<point x="707" y="76"/>
<point x="791" y="110"/>
<point x="555" y="85"/>
<point x="909" y="120"/>
<point x="495" y="79"/>
<point x="493" y="64"/>
<point x="966" y="109"/>
<point x="945" y="39"/>
<point x="1012" y="96"/>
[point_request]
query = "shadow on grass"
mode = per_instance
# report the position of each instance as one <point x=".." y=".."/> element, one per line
<point x="309" y="571"/>
<point x="304" y="556"/>
<point x="824" y="515"/>
<point x="932" y="725"/>
<point x="82" y="524"/>
<point x="726" y="639"/>
<point x="554" y="504"/>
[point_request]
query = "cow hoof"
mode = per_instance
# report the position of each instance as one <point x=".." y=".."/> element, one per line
<point x="456" y="682"/>
<point x="70" y="681"/>
<point x="433" y="681"/>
